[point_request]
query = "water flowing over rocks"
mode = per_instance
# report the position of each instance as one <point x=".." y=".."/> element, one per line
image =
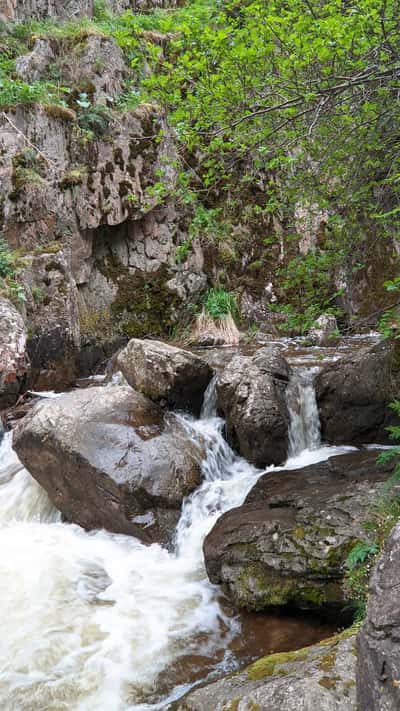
<point x="378" y="665"/>
<point x="164" y="372"/>
<point x="14" y="362"/>
<point x="108" y="458"/>
<point x="317" y="678"/>
<point x="354" y="393"/>
<point x="289" y="541"/>
<point x="251" y="398"/>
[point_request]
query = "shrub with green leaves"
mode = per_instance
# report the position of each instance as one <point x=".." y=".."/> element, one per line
<point x="220" y="303"/>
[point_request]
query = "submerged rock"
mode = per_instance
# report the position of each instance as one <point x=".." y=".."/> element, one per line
<point x="353" y="395"/>
<point x="316" y="678"/>
<point x="251" y="397"/>
<point x="163" y="372"/>
<point x="288" y="543"/>
<point x="14" y="362"/>
<point x="109" y="458"/>
<point x="378" y="666"/>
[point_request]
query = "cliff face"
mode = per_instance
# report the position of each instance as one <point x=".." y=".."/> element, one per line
<point x="69" y="9"/>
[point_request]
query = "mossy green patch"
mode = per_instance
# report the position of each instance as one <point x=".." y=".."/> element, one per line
<point x="269" y="666"/>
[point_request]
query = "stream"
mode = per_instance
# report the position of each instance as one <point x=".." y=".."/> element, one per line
<point x="97" y="621"/>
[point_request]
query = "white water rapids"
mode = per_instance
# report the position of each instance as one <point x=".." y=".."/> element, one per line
<point x="90" y="620"/>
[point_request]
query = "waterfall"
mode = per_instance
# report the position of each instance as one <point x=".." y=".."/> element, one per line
<point x="304" y="425"/>
<point x="93" y="620"/>
<point x="209" y="408"/>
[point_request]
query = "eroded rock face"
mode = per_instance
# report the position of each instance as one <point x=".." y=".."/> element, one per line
<point x="96" y="63"/>
<point x="316" y="678"/>
<point x="163" y="372"/>
<point x="14" y="362"/>
<point x="378" y="666"/>
<point x="39" y="9"/>
<point x="353" y="396"/>
<point x="251" y="397"/>
<point x="108" y="458"/>
<point x="88" y="204"/>
<point x="288" y="543"/>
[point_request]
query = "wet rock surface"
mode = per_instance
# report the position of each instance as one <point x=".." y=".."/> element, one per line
<point x="14" y="362"/>
<point x="378" y="666"/>
<point x="164" y="372"/>
<point x="251" y="398"/>
<point x="317" y="678"/>
<point x="353" y="395"/>
<point x="109" y="458"/>
<point x="288" y="543"/>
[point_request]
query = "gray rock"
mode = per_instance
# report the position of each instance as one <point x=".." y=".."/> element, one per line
<point x="39" y="9"/>
<point x="163" y="372"/>
<point x="95" y="63"/>
<point x="316" y="678"/>
<point x="108" y="458"/>
<point x="324" y="331"/>
<point x="378" y="642"/>
<point x="289" y="541"/>
<point x="251" y="397"/>
<point x="353" y="395"/>
<point x="14" y="362"/>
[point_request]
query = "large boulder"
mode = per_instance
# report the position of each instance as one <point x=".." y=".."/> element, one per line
<point x="353" y="395"/>
<point x="288" y="543"/>
<point x="251" y="398"/>
<point x="165" y="373"/>
<point x="378" y="667"/>
<point x="14" y="362"/>
<point x="109" y="458"/>
<point x="316" y="678"/>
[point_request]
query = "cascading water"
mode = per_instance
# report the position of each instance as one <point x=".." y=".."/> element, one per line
<point x="304" y="427"/>
<point x="91" y="620"/>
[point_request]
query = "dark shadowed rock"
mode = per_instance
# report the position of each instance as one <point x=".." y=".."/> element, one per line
<point x="251" y="397"/>
<point x="163" y="372"/>
<point x="378" y="666"/>
<point x="14" y="362"/>
<point x="316" y="678"/>
<point x="354" y="393"/>
<point x="287" y="544"/>
<point x="108" y="458"/>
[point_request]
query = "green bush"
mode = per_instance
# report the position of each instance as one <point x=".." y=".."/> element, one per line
<point x="220" y="303"/>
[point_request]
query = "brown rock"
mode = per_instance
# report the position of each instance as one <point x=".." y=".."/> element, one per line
<point x="108" y="458"/>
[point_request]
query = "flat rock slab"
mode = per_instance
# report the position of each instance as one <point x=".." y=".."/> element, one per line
<point x="289" y="541"/>
<point x="317" y="678"/>
<point x="109" y="458"/>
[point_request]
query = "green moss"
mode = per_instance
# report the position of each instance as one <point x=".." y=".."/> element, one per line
<point x="328" y="682"/>
<point x="232" y="705"/>
<point x="267" y="666"/>
<point x="328" y="661"/>
<point x="143" y="305"/>
<point x="299" y="532"/>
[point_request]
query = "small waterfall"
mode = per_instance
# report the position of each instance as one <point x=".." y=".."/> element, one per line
<point x="209" y="408"/>
<point x="304" y="427"/>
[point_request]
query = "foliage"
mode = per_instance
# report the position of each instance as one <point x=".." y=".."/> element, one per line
<point x="9" y="286"/>
<point x="385" y="513"/>
<point x="6" y="260"/>
<point x="219" y="303"/>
